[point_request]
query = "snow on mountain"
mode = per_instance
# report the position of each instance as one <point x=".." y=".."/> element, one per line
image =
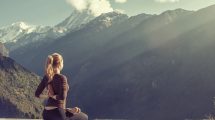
<point x="20" y="33"/>
<point x="15" y="31"/>
<point x="75" y="21"/>
<point x="106" y="20"/>
<point x="110" y="18"/>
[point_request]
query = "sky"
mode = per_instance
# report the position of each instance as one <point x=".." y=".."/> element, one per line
<point x="52" y="12"/>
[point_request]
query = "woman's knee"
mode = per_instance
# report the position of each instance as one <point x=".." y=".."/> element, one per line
<point x="80" y="116"/>
<point x="85" y="116"/>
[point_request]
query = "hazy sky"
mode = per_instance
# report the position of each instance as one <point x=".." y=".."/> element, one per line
<point x="51" y="12"/>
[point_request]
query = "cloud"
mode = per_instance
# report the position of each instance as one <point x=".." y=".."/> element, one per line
<point x="120" y="1"/>
<point x="78" y="4"/>
<point x="96" y="7"/>
<point x="167" y="1"/>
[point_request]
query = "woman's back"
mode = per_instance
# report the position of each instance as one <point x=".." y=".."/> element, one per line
<point x="60" y="88"/>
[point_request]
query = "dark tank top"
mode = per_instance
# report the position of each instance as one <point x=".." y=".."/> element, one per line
<point x="60" y="89"/>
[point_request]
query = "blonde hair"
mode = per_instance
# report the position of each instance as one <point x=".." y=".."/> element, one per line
<point x="54" y="62"/>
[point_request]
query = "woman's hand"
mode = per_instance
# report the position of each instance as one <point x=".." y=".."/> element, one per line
<point x="52" y="96"/>
<point x="74" y="110"/>
<point x="43" y="96"/>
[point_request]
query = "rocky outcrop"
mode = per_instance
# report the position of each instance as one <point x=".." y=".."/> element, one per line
<point x="3" y="50"/>
<point x="17" y="86"/>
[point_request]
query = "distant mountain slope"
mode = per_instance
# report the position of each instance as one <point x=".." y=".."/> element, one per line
<point x="131" y="42"/>
<point x="172" y="81"/>
<point x="17" y="86"/>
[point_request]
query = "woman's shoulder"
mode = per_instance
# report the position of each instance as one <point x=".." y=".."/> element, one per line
<point x="45" y="77"/>
<point x="63" y="77"/>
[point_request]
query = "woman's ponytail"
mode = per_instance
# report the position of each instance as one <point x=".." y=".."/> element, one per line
<point x="49" y="71"/>
<point x="53" y="64"/>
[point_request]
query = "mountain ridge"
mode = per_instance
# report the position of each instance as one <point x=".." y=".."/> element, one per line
<point x="73" y="21"/>
<point x="21" y="34"/>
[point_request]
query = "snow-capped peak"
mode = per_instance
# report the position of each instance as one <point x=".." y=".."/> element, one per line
<point x="22" y="25"/>
<point x="19" y="27"/>
<point x="75" y="21"/>
<point x="17" y="30"/>
<point x="106" y="20"/>
<point x="110" y="18"/>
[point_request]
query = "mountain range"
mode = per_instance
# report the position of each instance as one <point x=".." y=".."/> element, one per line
<point x="21" y="34"/>
<point x="145" y="67"/>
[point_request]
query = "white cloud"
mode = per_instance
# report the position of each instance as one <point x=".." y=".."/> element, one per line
<point x="78" y="4"/>
<point x="167" y="1"/>
<point x="96" y="7"/>
<point x="120" y="1"/>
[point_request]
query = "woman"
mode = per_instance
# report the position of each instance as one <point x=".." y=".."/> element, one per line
<point x="57" y="86"/>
